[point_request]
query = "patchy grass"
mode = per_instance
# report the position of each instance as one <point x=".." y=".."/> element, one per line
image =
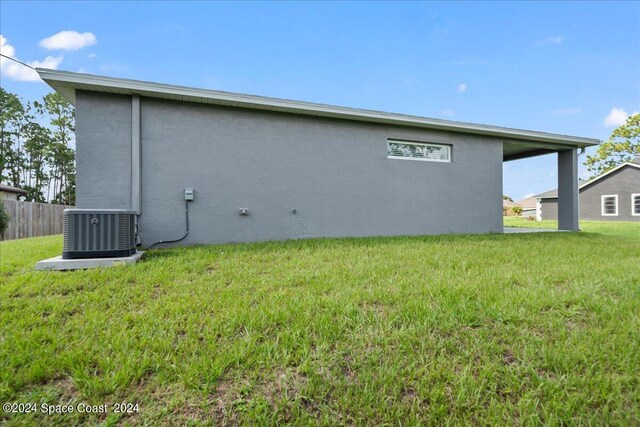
<point x="496" y="329"/>
<point x="610" y="228"/>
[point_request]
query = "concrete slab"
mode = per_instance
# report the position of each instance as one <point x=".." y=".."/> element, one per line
<point x="57" y="263"/>
<point x="510" y="230"/>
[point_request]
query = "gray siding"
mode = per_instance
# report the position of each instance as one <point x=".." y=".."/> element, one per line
<point x="623" y="182"/>
<point x="334" y="173"/>
<point x="549" y="209"/>
<point x="103" y="151"/>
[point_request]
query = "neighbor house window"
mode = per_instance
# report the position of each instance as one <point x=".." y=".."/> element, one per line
<point x="635" y="204"/>
<point x="418" y="151"/>
<point x="610" y="205"/>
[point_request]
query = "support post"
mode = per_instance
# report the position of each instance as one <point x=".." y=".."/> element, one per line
<point x="136" y="156"/>
<point x="568" y="195"/>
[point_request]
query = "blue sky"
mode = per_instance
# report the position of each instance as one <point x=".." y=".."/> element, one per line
<point x="566" y="67"/>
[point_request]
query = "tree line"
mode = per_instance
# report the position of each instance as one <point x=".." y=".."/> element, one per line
<point x="37" y="147"/>
<point x="623" y="146"/>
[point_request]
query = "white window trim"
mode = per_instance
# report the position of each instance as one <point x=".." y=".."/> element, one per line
<point x="633" y="199"/>
<point x="602" y="212"/>
<point x="399" y="141"/>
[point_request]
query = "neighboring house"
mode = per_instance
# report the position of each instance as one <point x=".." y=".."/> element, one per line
<point x="507" y="207"/>
<point x="612" y="196"/>
<point x="11" y="193"/>
<point x="270" y="169"/>
<point x="528" y="206"/>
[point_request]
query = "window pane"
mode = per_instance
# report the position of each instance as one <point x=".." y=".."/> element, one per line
<point x="636" y="204"/>
<point x="609" y="205"/>
<point x="418" y="151"/>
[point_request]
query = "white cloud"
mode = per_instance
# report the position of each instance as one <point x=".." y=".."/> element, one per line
<point x="566" y="111"/>
<point x="91" y="55"/>
<point x="617" y="117"/>
<point x="462" y="88"/>
<point x="526" y="196"/>
<point x="68" y="40"/>
<point x="447" y="113"/>
<point x="19" y="72"/>
<point x="6" y="49"/>
<point x="551" y="40"/>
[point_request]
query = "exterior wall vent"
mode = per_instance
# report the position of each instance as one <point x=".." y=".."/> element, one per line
<point x="98" y="233"/>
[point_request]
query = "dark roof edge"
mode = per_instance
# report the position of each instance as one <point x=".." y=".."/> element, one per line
<point x="66" y="83"/>
<point x="10" y="189"/>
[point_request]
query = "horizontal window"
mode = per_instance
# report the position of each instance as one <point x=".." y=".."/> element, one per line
<point x="418" y="151"/>
<point x="610" y="205"/>
<point x="635" y="204"/>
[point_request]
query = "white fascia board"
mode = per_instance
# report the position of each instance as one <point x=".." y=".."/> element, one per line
<point x="633" y="165"/>
<point x="64" y="81"/>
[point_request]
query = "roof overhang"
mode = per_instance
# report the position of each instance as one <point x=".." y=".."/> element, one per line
<point x="9" y="189"/>
<point x="524" y="143"/>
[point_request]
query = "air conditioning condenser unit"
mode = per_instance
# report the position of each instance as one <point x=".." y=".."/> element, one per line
<point x="99" y="233"/>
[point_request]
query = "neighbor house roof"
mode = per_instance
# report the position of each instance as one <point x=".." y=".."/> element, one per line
<point x="528" y="203"/>
<point x="9" y="189"/>
<point x="552" y="194"/>
<point x="67" y="83"/>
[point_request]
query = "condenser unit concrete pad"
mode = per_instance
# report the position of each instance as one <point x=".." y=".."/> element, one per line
<point x="57" y="263"/>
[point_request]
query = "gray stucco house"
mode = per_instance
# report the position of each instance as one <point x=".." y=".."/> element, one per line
<point x="270" y="169"/>
<point x="612" y="196"/>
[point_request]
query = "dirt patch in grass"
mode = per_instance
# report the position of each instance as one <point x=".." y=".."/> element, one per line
<point x="348" y="370"/>
<point x="167" y="405"/>
<point x="64" y="388"/>
<point x="508" y="358"/>
<point x="409" y="394"/>
<point x="276" y="389"/>
<point x="376" y="307"/>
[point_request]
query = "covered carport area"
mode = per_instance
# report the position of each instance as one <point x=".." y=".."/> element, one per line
<point x="567" y="148"/>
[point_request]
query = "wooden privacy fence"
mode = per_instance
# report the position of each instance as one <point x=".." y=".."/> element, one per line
<point x="28" y="219"/>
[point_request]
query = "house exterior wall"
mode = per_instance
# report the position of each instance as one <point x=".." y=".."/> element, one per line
<point x="623" y="182"/>
<point x="103" y="151"/>
<point x="549" y="209"/>
<point x="334" y="173"/>
<point x="8" y="195"/>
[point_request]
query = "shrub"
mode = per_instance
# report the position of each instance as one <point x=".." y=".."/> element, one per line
<point x="4" y="218"/>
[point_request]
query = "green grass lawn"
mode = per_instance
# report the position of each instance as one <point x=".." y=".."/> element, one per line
<point x="611" y="228"/>
<point x="493" y="329"/>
